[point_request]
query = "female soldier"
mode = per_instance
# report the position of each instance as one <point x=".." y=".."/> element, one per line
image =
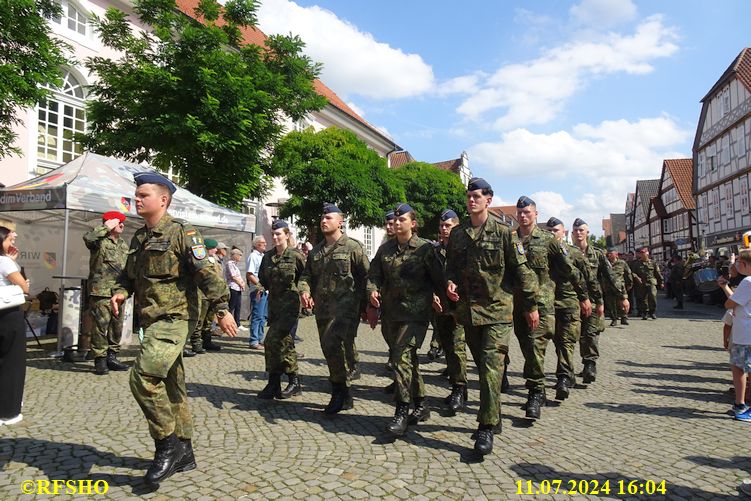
<point x="280" y="270"/>
<point x="403" y="276"/>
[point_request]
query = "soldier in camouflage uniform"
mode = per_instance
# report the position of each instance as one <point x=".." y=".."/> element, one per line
<point x="106" y="264"/>
<point x="482" y="258"/>
<point x="676" y="280"/>
<point x="446" y="329"/>
<point x="279" y="273"/>
<point x="404" y="274"/>
<point x="334" y="281"/>
<point x="200" y="338"/>
<point x="389" y="228"/>
<point x="623" y="278"/>
<point x="648" y="279"/>
<point x="166" y="261"/>
<point x="592" y="326"/>
<point x="547" y="258"/>
<point x="571" y="305"/>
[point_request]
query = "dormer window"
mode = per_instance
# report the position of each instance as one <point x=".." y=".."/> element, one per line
<point x="725" y="102"/>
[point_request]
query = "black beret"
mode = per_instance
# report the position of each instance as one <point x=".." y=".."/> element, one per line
<point x="390" y="216"/>
<point x="448" y="214"/>
<point x="328" y="208"/>
<point x="612" y="249"/>
<point x="154" y="178"/>
<point x="279" y="223"/>
<point x="579" y="222"/>
<point x="554" y="221"/>
<point x="524" y="202"/>
<point x="402" y="209"/>
<point x="478" y="183"/>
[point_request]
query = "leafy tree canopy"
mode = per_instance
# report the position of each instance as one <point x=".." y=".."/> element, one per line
<point x="189" y="95"/>
<point x="333" y="165"/>
<point x="29" y="59"/>
<point x="429" y="192"/>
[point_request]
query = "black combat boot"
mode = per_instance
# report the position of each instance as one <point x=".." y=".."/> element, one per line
<point x="187" y="352"/>
<point x="624" y="321"/>
<point x="421" y="412"/>
<point x="484" y="439"/>
<point x="398" y="425"/>
<point x="613" y="323"/>
<point x="114" y="364"/>
<point x="504" y="382"/>
<point x="273" y="388"/>
<point x="169" y="451"/>
<point x="197" y="348"/>
<point x="589" y="374"/>
<point x="390" y="389"/>
<point x="355" y="373"/>
<point x="293" y="387"/>
<point x="563" y="388"/>
<point x="340" y="399"/>
<point x="653" y="316"/>
<point x="208" y="344"/>
<point x="535" y="401"/>
<point x="433" y="353"/>
<point x="100" y="366"/>
<point x="457" y="399"/>
<point x="188" y="460"/>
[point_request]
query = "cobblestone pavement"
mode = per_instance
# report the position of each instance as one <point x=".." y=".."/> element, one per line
<point x="658" y="411"/>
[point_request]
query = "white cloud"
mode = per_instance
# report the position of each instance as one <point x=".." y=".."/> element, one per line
<point x="356" y="109"/>
<point x="354" y="62"/>
<point x="602" y="13"/>
<point x="466" y="84"/>
<point x="535" y="92"/>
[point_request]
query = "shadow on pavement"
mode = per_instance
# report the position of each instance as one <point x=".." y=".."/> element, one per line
<point x="683" y="378"/>
<point x="682" y="412"/>
<point x="699" y="346"/>
<point x="690" y="365"/>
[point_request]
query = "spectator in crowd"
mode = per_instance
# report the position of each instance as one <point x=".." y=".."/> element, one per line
<point x="258" y="302"/>
<point x="236" y="285"/>
<point x="12" y="332"/>
<point x="221" y="254"/>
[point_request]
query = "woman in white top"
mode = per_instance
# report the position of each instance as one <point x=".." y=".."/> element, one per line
<point x="12" y="333"/>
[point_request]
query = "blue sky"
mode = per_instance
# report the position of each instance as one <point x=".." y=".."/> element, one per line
<point x="567" y="102"/>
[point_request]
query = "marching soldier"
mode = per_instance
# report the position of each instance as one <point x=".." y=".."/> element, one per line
<point x="166" y="261"/>
<point x="482" y="256"/>
<point x="648" y="279"/>
<point x="200" y="338"/>
<point x="623" y="278"/>
<point x="593" y="325"/>
<point x="106" y="263"/>
<point x="334" y="281"/>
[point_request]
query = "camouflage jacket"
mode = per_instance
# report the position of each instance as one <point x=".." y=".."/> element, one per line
<point x="483" y="263"/>
<point x="440" y="253"/>
<point x="165" y="264"/>
<point x="106" y="262"/>
<point x="279" y="274"/>
<point x="568" y="297"/>
<point x="648" y="271"/>
<point x="336" y="278"/>
<point x="622" y="275"/>
<point x="600" y="269"/>
<point x="406" y="279"/>
<point x="548" y="259"/>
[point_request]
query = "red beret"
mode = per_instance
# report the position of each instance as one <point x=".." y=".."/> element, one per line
<point x="113" y="214"/>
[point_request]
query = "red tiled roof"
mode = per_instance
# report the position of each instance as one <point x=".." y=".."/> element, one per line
<point x="399" y="158"/>
<point x="505" y="210"/>
<point x="682" y="171"/>
<point x="740" y="67"/>
<point x="454" y="166"/>
<point x="252" y="35"/>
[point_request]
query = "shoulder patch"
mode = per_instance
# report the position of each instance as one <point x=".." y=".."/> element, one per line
<point x="520" y="248"/>
<point x="564" y="249"/>
<point x="199" y="251"/>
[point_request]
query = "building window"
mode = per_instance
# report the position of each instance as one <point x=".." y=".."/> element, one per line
<point x="744" y="194"/>
<point x="59" y="119"/>
<point x="729" y="198"/>
<point x="368" y="240"/>
<point x="665" y="227"/>
<point x="73" y="17"/>
<point x="726" y="102"/>
<point x="741" y="142"/>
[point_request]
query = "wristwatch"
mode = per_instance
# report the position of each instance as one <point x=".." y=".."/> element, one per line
<point x="221" y="313"/>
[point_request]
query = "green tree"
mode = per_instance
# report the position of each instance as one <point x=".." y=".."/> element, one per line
<point x="430" y="191"/>
<point x="333" y="165"/>
<point x="29" y="59"/>
<point x="191" y="96"/>
<point x="598" y="242"/>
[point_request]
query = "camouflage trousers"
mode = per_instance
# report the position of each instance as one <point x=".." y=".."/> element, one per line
<point x="450" y="336"/>
<point x="646" y="298"/>
<point x="409" y="383"/>
<point x="435" y="340"/>
<point x="533" y="344"/>
<point x="388" y="336"/>
<point x="489" y="346"/>
<point x="613" y="306"/>
<point x="106" y="329"/>
<point x="350" y="348"/>
<point x="280" y="353"/>
<point x="589" y="338"/>
<point x="202" y="328"/>
<point x="334" y="334"/>
<point x="157" y="379"/>
<point x="567" y="331"/>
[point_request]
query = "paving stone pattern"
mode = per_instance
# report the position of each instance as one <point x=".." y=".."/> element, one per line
<point x="658" y="411"/>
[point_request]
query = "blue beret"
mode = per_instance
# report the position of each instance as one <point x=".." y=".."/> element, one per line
<point x="448" y="214"/>
<point x="279" y="223"/>
<point x="554" y="221"/>
<point x="328" y="208"/>
<point x="154" y="178"/>
<point x="579" y="222"/>
<point x="390" y="216"/>
<point x="524" y="202"/>
<point x="478" y="183"/>
<point x="402" y="209"/>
